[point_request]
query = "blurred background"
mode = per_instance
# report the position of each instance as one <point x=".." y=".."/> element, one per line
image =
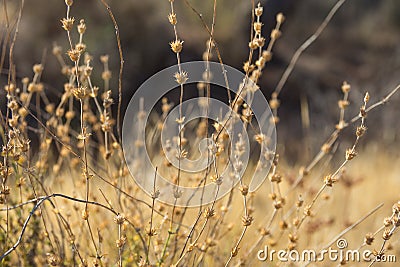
<point x="361" y="45"/>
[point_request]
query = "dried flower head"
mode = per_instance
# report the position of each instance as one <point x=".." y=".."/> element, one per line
<point x="247" y="220"/>
<point x="275" y="34"/>
<point x="369" y="238"/>
<point x="176" y="46"/>
<point x="350" y="154"/>
<point x="172" y="18"/>
<point x="181" y="77"/>
<point x="74" y="54"/>
<point x="387" y="234"/>
<point x="257" y="27"/>
<point x="119" y="219"/>
<point x="346" y="87"/>
<point x="209" y="212"/>
<point x="82" y="26"/>
<point x="280" y="18"/>
<point x="329" y="180"/>
<point x="258" y="10"/>
<point x="37" y="68"/>
<point x="67" y="23"/>
<point x="244" y="189"/>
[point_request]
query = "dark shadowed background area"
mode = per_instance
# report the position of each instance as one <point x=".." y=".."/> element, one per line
<point x="361" y="45"/>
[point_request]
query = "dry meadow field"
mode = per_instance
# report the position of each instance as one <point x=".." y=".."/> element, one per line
<point x="92" y="178"/>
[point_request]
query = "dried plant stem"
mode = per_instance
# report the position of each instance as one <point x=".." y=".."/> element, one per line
<point x="91" y="169"/>
<point x="150" y="232"/>
<point x="121" y="67"/>
<point x="335" y="134"/>
<point x="39" y="201"/>
<point x="306" y="44"/>
<point x="345" y="231"/>
<point x="350" y="154"/>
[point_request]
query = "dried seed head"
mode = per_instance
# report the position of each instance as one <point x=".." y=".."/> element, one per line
<point x="275" y="178"/>
<point x="119" y="219"/>
<point x="104" y="59"/>
<point x="120" y="242"/>
<point x="258" y="10"/>
<point x="74" y="54"/>
<point x="209" y="212"/>
<point x="275" y="34"/>
<point x="363" y="113"/>
<point x="293" y="238"/>
<point x="68" y="23"/>
<point x="10" y="88"/>
<point x="360" y="131"/>
<point x="396" y="208"/>
<point x="346" y="87"/>
<point x="260" y="138"/>
<point x="244" y="189"/>
<point x="387" y="234"/>
<point x="80" y="92"/>
<point x="82" y="26"/>
<point x="253" y="44"/>
<point x="176" y="46"/>
<point x="247" y="67"/>
<point x="343" y="104"/>
<point x="216" y="179"/>
<point x="181" y="77"/>
<point x="259" y="41"/>
<point x="274" y="103"/>
<point x="69" y="2"/>
<point x="267" y="55"/>
<point x="235" y="251"/>
<point x="52" y="259"/>
<point x="299" y="201"/>
<point x="257" y="27"/>
<point x="172" y="18"/>
<point x="280" y="18"/>
<point x="283" y="225"/>
<point x="396" y="221"/>
<point x="387" y="221"/>
<point x="264" y="231"/>
<point x="37" y="68"/>
<point x="260" y="63"/>
<point x="12" y="105"/>
<point x="350" y="154"/>
<point x="278" y="204"/>
<point x="106" y="75"/>
<point x="329" y="180"/>
<point x="80" y="47"/>
<point x="70" y="115"/>
<point x="88" y="71"/>
<point x="369" y="238"/>
<point x="85" y="214"/>
<point x="177" y="193"/>
<point x="23" y="112"/>
<point x="247" y="220"/>
<point x="25" y="80"/>
<point x="366" y="98"/>
<point x="151" y="232"/>
<point x="307" y="210"/>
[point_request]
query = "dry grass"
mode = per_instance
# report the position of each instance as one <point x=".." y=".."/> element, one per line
<point x="68" y="199"/>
